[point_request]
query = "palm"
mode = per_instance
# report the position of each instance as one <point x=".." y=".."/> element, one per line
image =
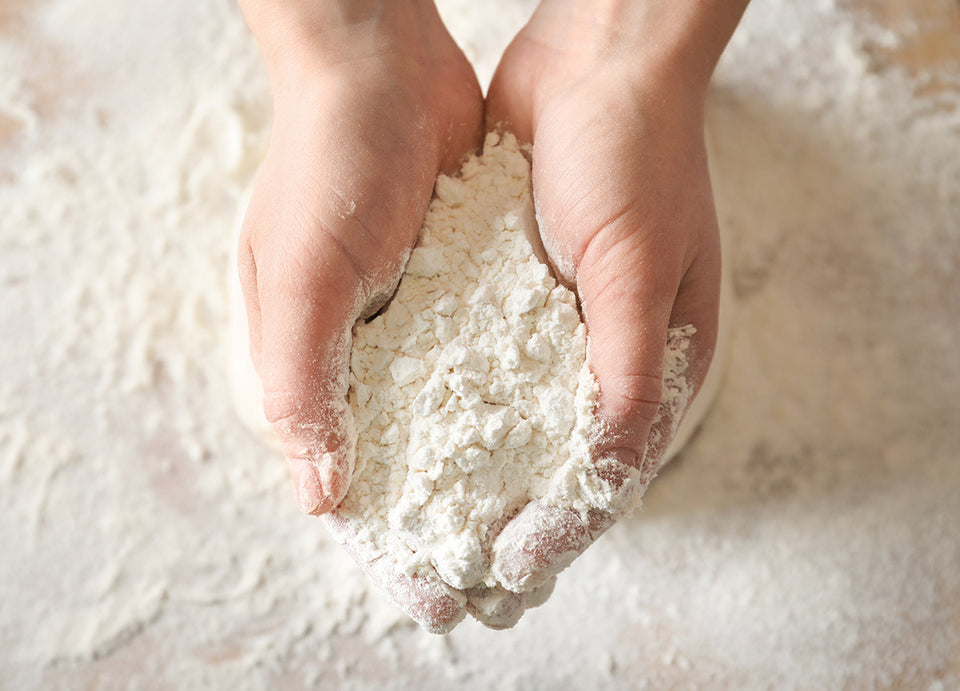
<point x="626" y="216"/>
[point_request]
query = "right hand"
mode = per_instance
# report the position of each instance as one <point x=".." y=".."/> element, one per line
<point x="369" y="106"/>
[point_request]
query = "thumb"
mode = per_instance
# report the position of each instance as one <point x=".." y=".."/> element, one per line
<point x="630" y="304"/>
<point x="508" y="106"/>
<point x="301" y="309"/>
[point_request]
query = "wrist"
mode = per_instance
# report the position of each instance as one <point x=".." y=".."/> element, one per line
<point x="659" y="42"/>
<point x="299" y="38"/>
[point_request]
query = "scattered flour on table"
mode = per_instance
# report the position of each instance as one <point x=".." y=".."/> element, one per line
<point x="471" y="392"/>
<point x="810" y="538"/>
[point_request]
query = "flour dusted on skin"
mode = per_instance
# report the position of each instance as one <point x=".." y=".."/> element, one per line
<point x="471" y="392"/>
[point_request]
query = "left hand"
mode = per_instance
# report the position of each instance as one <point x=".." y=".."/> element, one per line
<point x="627" y="218"/>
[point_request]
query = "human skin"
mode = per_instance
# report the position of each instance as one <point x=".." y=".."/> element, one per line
<point x="372" y="100"/>
<point x="611" y="95"/>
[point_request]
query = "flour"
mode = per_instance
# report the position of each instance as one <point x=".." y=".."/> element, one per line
<point x="807" y="537"/>
<point x="471" y="392"/>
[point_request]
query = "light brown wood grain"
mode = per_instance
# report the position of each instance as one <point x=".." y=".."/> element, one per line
<point x="928" y="39"/>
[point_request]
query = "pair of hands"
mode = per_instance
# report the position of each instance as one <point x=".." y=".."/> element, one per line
<point x="371" y="102"/>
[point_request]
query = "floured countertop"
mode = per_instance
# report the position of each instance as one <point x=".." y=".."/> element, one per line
<point x="809" y="537"/>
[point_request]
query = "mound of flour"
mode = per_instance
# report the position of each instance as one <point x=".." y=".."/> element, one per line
<point x="470" y="392"/>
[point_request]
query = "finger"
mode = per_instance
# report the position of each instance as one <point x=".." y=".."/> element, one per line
<point x="508" y="106"/>
<point x="688" y="354"/>
<point x="426" y="599"/>
<point x="626" y="309"/>
<point x="708" y="385"/>
<point x="548" y="535"/>
<point x="304" y="367"/>
<point x="495" y="608"/>
<point x="498" y="608"/>
<point x="244" y="329"/>
<point x="542" y="541"/>
<point x="465" y="130"/>
<point x="302" y="300"/>
<point x="581" y="504"/>
<point x="629" y="303"/>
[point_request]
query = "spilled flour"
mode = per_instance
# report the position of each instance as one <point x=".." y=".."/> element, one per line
<point x="471" y="393"/>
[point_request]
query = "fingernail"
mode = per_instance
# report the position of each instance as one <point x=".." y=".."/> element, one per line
<point x="310" y="494"/>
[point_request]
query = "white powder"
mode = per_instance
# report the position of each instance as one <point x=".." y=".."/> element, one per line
<point x="807" y="537"/>
<point x="471" y="392"/>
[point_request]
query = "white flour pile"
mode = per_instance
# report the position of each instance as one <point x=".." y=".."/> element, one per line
<point x="471" y="393"/>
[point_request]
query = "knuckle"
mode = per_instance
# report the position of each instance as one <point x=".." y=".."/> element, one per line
<point x="305" y="426"/>
<point x="284" y="407"/>
<point x="308" y="259"/>
<point x="301" y="272"/>
<point x="632" y="397"/>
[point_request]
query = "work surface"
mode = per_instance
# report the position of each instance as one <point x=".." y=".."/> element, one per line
<point x="807" y="538"/>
